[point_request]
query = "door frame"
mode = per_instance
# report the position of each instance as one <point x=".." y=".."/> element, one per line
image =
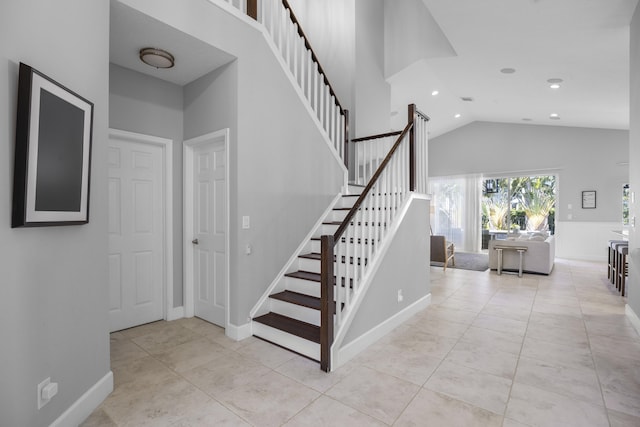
<point x="169" y="312"/>
<point x="188" y="191"/>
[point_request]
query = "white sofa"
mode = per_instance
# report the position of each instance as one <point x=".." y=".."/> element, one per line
<point x="539" y="257"/>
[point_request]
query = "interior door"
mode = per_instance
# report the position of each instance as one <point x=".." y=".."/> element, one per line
<point x="209" y="234"/>
<point x="136" y="233"/>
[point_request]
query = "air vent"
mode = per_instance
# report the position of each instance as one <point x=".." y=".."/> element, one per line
<point x="467" y="99"/>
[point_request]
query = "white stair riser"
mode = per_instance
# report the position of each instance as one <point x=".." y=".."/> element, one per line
<point x="337" y="215"/>
<point x="295" y="311"/>
<point x="286" y="340"/>
<point x="328" y="228"/>
<point x="315" y="246"/>
<point x="302" y="286"/>
<point x="355" y="189"/>
<point x="346" y="202"/>
<point x="306" y="264"/>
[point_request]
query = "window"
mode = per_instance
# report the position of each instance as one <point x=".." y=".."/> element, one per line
<point x="625" y="205"/>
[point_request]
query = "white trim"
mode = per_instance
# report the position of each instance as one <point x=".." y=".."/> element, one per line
<point x="86" y="404"/>
<point x="188" y="146"/>
<point x="238" y="333"/>
<point x="278" y="279"/>
<point x="633" y="317"/>
<point x="167" y="150"/>
<point x="371" y="272"/>
<point x="175" y="313"/>
<point x="346" y="353"/>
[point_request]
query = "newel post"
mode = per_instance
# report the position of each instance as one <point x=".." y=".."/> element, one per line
<point x="346" y="138"/>
<point x="252" y="9"/>
<point x="412" y="147"/>
<point x="326" y="301"/>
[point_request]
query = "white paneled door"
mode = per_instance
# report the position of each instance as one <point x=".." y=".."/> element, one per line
<point x="209" y="231"/>
<point x="136" y="233"/>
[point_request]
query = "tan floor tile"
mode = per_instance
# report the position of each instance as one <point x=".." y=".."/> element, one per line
<point x="191" y="354"/>
<point x="556" y="321"/>
<point x="444" y="411"/>
<point x="423" y="344"/>
<point x="161" y="405"/>
<point x="500" y="324"/>
<point x="308" y="372"/>
<point x="557" y="354"/>
<point x="619" y="346"/>
<point x="441" y="327"/>
<point x="507" y="311"/>
<point x="573" y="337"/>
<point x="531" y="405"/>
<point x="502" y="341"/>
<point x="450" y="315"/>
<point x="622" y="402"/>
<point x="99" y="418"/>
<point x="138" y="374"/>
<point x="210" y="414"/>
<point x="619" y="419"/>
<point x="225" y="373"/>
<point x="580" y="384"/>
<point x="269" y="400"/>
<point x="328" y="412"/>
<point x="376" y="394"/>
<point x="125" y="349"/>
<point x="475" y="387"/>
<point x="163" y="339"/>
<point x="266" y="353"/>
<point x="407" y="363"/>
<point x="200" y="326"/>
<point x="485" y="358"/>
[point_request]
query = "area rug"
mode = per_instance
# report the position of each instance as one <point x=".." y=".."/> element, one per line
<point x="468" y="261"/>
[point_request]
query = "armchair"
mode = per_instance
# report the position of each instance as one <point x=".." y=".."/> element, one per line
<point x="442" y="251"/>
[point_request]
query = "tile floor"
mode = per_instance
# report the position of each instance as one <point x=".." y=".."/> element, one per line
<point x="490" y="351"/>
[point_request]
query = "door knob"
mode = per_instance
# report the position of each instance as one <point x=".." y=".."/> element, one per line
<point x="194" y="241"/>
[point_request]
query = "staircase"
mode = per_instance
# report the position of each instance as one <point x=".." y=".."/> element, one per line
<point x="293" y="317"/>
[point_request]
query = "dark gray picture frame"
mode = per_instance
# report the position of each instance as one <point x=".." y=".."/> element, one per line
<point x="52" y="153"/>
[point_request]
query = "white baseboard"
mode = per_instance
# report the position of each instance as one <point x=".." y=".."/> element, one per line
<point x="238" y="333"/>
<point x="175" y="313"/>
<point x="88" y="402"/>
<point x="349" y="351"/>
<point x="633" y="317"/>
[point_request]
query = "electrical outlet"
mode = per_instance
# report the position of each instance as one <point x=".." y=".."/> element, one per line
<point x="46" y="391"/>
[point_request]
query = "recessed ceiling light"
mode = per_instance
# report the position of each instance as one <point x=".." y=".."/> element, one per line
<point x="434" y="93"/>
<point x="157" y="58"/>
<point x="554" y="85"/>
<point x="555" y="80"/>
<point x="554" y="116"/>
<point x="508" y="70"/>
<point x="457" y="116"/>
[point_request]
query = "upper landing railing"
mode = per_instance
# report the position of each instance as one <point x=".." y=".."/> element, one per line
<point x="290" y="40"/>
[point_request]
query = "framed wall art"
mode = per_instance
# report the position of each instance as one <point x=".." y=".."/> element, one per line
<point x="53" y="153"/>
<point x="589" y="199"/>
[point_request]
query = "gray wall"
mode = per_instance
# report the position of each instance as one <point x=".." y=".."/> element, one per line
<point x="634" y="166"/>
<point x="405" y="267"/>
<point x="54" y="294"/>
<point x="583" y="159"/>
<point x="150" y="106"/>
<point x="372" y="92"/>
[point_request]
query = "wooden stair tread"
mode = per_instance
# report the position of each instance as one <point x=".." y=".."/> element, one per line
<point x="298" y="299"/>
<point x="305" y="275"/>
<point x="312" y="255"/>
<point x="295" y="327"/>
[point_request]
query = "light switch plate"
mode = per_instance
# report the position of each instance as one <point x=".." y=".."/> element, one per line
<point x="246" y="222"/>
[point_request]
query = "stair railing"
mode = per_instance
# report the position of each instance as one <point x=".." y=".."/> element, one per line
<point x="369" y="152"/>
<point x="347" y="254"/>
<point x="290" y="40"/>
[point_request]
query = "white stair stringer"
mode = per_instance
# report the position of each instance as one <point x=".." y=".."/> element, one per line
<point x="356" y="299"/>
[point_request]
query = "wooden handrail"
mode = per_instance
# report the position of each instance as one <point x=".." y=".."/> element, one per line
<point x="301" y="33"/>
<point x="367" y="189"/>
<point x="381" y="135"/>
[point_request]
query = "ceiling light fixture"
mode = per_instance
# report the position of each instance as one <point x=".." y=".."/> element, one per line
<point x="508" y="70"/>
<point x="457" y="116"/>
<point x="157" y="58"/>
<point x="554" y="116"/>
<point x="554" y="83"/>
<point x="434" y="93"/>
